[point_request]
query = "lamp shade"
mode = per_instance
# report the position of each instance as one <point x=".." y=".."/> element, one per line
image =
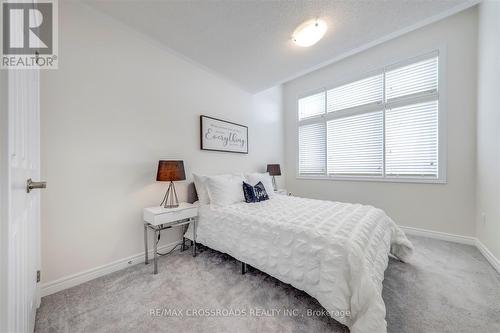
<point x="274" y="169"/>
<point x="170" y="171"/>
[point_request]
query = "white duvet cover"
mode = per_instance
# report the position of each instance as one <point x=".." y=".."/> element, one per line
<point x="336" y="252"/>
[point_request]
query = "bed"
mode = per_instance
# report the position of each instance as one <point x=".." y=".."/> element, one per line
<point x="336" y="252"/>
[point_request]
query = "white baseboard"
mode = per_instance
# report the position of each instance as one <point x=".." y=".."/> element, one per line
<point x="439" y="235"/>
<point x="456" y="239"/>
<point x="79" y="278"/>
<point x="488" y="255"/>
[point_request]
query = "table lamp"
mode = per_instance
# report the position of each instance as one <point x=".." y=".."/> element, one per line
<point x="274" y="170"/>
<point x="170" y="171"/>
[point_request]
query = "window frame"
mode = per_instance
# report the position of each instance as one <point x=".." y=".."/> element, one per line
<point x="421" y="97"/>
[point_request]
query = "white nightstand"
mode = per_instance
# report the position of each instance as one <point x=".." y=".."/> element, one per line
<point x="281" y="192"/>
<point x="159" y="218"/>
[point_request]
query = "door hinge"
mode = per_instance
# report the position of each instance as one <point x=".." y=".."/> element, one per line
<point x="38" y="276"/>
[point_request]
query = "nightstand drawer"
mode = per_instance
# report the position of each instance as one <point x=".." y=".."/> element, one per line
<point x="160" y="215"/>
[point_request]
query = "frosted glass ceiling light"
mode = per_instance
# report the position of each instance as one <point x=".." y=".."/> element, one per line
<point x="309" y="32"/>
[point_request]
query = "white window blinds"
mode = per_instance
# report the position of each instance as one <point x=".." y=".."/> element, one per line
<point x="362" y="92"/>
<point x="411" y="140"/>
<point x="355" y="145"/>
<point x="420" y="77"/>
<point x="312" y="149"/>
<point x="312" y="106"/>
<point x="384" y="126"/>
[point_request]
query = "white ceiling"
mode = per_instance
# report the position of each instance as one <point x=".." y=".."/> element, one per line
<point x="249" y="42"/>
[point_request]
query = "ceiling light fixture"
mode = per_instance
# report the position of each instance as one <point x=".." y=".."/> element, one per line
<point x="309" y="32"/>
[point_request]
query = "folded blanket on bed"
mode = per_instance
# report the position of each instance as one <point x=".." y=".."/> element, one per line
<point x="336" y="252"/>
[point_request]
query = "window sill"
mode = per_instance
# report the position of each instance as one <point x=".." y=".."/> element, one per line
<point x="376" y="179"/>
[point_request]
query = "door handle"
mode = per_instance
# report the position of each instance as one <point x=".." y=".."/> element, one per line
<point x="31" y="185"/>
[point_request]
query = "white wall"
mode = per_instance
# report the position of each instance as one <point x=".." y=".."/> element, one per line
<point x="117" y="104"/>
<point x="488" y="127"/>
<point x="3" y="198"/>
<point x="446" y="208"/>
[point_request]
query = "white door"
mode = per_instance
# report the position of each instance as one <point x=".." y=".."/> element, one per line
<point x="23" y="217"/>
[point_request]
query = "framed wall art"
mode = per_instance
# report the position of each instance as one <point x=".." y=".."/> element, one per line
<point x="220" y="135"/>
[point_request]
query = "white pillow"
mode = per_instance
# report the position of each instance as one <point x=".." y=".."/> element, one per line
<point x="254" y="178"/>
<point x="224" y="190"/>
<point x="201" y="189"/>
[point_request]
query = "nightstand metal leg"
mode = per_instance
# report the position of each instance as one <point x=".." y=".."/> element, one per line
<point x="155" y="243"/>
<point x="243" y="268"/>
<point x="183" y="245"/>
<point x="194" y="237"/>
<point x="146" y="261"/>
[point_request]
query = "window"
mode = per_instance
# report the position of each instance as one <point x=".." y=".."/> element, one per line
<point x="312" y="149"/>
<point x="384" y="126"/>
<point x="355" y="144"/>
<point x="312" y="106"/>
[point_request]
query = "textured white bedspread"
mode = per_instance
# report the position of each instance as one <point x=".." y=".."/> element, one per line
<point x="336" y="252"/>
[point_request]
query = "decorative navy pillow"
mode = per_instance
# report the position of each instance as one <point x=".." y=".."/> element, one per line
<point x="260" y="192"/>
<point x="254" y="193"/>
<point x="249" y="193"/>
